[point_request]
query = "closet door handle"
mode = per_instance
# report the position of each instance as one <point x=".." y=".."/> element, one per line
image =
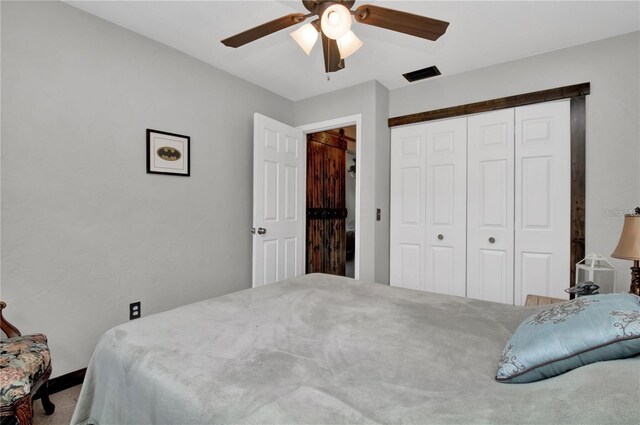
<point x="492" y="239"/>
<point x="262" y="230"/>
<point x="440" y="237"/>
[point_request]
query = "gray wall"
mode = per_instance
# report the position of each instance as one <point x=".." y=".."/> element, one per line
<point x="613" y="120"/>
<point x="382" y="183"/>
<point x="85" y="231"/>
<point x="370" y="101"/>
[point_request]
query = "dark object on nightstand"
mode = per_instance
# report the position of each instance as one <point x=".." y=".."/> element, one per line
<point x="583" y="288"/>
<point x="629" y="247"/>
<point x="32" y="352"/>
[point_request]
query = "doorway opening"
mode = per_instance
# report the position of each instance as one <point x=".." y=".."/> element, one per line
<point x="331" y="201"/>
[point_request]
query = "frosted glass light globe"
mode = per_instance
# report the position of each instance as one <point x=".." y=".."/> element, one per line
<point x="335" y="21"/>
<point x="348" y="44"/>
<point x="306" y="36"/>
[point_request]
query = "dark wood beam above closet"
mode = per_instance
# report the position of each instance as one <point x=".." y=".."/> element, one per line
<point x="566" y="92"/>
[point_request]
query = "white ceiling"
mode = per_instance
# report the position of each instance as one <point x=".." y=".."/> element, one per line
<point x="481" y="34"/>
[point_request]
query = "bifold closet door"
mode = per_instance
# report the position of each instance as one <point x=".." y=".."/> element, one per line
<point x="490" y="206"/>
<point x="480" y="205"/>
<point x="543" y="208"/>
<point x="407" y="219"/>
<point x="446" y="209"/>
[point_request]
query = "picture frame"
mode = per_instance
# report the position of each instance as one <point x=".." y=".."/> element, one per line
<point x="168" y="153"/>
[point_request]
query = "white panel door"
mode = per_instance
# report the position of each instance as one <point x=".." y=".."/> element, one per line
<point x="542" y="204"/>
<point x="278" y="201"/>
<point x="490" y="206"/>
<point x="407" y="219"/>
<point x="446" y="206"/>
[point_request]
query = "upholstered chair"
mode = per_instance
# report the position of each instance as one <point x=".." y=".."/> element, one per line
<point x="25" y="367"/>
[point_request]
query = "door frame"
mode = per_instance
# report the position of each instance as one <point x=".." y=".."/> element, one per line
<point x="331" y="124"/>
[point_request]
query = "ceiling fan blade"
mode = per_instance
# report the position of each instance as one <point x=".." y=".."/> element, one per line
<point x="332" y="61"/>
<point x="263" y="30"/>
<point x="395" y="20"/>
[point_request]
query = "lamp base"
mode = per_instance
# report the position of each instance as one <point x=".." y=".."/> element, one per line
<point x="635" y="278"/>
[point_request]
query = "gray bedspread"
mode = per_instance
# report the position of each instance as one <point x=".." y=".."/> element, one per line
<point x="320" y="349"/>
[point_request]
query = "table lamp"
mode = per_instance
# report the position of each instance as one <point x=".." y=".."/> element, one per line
<point x="629" y="248"/>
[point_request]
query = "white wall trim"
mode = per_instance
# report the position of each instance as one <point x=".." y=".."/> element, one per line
<point x="329" y="125"/>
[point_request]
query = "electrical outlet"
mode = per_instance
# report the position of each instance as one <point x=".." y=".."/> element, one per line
<point x="134" y="310"/>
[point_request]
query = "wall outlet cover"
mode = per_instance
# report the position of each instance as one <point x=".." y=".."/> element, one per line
<point x="134" y="310"/>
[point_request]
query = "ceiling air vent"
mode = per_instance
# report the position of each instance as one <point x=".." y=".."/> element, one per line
<point x="421" y="74"/>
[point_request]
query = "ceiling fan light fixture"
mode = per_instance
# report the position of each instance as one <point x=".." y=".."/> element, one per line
<point x="348" y="44"/>
<point x="306" y="37"/>
<point x="335" y="21"/>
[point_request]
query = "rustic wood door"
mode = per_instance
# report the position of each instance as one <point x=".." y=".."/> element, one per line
<point x="326" y="207"/>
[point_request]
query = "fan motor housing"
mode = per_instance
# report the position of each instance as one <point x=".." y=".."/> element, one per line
<point x="317" y="6"/>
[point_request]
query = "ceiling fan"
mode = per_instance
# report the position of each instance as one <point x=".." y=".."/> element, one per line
<point x="333" y="23"/>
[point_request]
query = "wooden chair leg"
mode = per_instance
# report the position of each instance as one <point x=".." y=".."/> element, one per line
<point x="24" y="411"/>
<point x="48" y="406"/>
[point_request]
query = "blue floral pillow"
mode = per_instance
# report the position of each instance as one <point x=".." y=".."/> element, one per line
<point x="572" y="334"/>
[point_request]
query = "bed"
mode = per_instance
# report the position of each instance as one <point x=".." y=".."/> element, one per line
<point x="325" y="349"/>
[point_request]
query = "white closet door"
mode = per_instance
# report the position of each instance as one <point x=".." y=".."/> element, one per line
<point x="543" y="189"/>
<point x="490" y="206"/>
<point x="407" y="220"/>
<point x="446" y="206"/>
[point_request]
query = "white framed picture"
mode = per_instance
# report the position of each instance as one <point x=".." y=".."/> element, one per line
<point x="168" y="153"/>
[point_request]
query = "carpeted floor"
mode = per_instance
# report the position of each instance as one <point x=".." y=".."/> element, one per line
<point x="65" y="402"/>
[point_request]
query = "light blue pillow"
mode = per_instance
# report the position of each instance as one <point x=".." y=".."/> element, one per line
<point x="572" y="334"/>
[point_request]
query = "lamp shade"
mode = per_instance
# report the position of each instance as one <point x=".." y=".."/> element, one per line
<point x="335" y="21"/>
<point x="629" y="245"/>
<point x="348" y="44"/>
<point x="306" y="37"/>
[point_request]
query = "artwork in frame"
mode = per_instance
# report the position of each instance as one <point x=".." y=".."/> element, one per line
<point x="168" y="153"/>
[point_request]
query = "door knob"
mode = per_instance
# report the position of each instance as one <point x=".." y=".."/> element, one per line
<point x="492" y="239"/>
<point x="440" y="237"/>
<point x="262" y="230"/>
<point x="253" y="230"/>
